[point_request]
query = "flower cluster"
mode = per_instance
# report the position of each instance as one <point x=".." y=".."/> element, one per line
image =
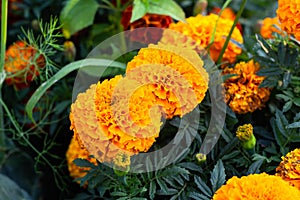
<point x="197" y="32"/>
<point x="289" y="16"/>
<point x="122" y="116"/>
<point x="256" y="187"/>
<point x="243" y="94"/>
<point x="289" y="168"/>
<point x="22" y="64"/>
<point x="269" y="26"/>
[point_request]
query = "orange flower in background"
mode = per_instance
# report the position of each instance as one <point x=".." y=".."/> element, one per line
<point x="268" y="27"/>
<point x="148" y="20"/>
<point x="289" y="168"/>
<point x="22" y="64"/>
<point x="175" y="76"/>
<point x="75" y="151"/>
<point x="198" y="31"/>
<point x="243" y="94"/>
<point x="256" y="187"/>
<point x="227" y="13"/>
<point x="289" y="16"/>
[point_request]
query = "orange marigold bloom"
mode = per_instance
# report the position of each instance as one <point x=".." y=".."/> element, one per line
<point x="268" y="27"/>
<point x="198" y="31"/>
<point x="148" y="20"/>
<point x="256" y="187"/>
<point x="22" y="64"/>
<point x="289" y="16"/>
<point x="227" y="13"/>
<point x="289" y="168"/>
<point x="86" y="129"/>
<point x="175" y="76"/>
<point x="242" y="91"/>
<point x="75" y="151"/>
<point x="127" y="123"/>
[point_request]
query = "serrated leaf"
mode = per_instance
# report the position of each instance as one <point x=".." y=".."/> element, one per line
<point x="198" y="196"/>
<point x="77" y="15"/>
<point x="218" y="176"/>
<point x="163" y="186"/>
<point x="202" y="186"/>
<point x="282" y="96"/>
<point x="83" y="163"/>
<point x="102" y="63"/>
<point x="254" y="167"/>
<point x="287" y="106"/>
<point x="294" y="125"/>
<point x="167" y="7"/>
<point x="296" y="101"/>
<point x="152" y="189"/>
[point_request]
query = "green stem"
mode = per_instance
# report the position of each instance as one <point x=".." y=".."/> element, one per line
<point x="238" y="15"/>
<point x="2" y="57"/>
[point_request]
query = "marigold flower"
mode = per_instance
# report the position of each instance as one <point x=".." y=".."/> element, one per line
<point x="289" y="168"/>
<point x="175" y="76"/>
<point x="268" y="27"/>
<point x="289" y="16"/>
<point x="256" y="187"/>
<point x="22" y="64"/>
<point x="243" y="94"/>
<point x="75" y="151"/>
<point x="86" y="129"/>
<point x="198" y="31"/>
<point x="130" y="125"/>
<point x="148" y="20"/>
<point x="245" y="134"/>
<point x="227" y="13"/>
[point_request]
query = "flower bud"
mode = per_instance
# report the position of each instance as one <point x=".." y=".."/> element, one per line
<point x="245" y="135"/>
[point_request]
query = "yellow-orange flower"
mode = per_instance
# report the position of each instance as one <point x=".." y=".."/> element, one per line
<point x="127" y="123"/>
<point x="289" y="16"/>
<point x="289" y="168"/>
<point x="243" y="94"/>
<point x="22" y="64"/>
<point x="175" y="76"/>
<point x="75" y="151"/>
<point x="86" y="129"/>
<point x="256" y="187"/>
<point x="268" y="27"/>
<point x="197" y="32"/>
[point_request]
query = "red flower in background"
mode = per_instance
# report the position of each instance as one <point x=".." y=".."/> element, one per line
<point x="148" y="20"/>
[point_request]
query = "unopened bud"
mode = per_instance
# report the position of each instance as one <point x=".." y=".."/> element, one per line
<point x="200" y="7"/>
<point x="245" y="135"/>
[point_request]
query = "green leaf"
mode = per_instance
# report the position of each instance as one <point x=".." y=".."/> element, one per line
<point x="294" y="125"/>
<point x="10" y="190"/>
<point x="218" y="176"/>
<point x="202" y="186"/>
<point x="296" y="101"/>
<point x="139" y="10"/>
<point x="77" y="15"/>
<point x="198" y="196"/>
<point x="83" y="163"/>
<point x="167" y="7"/>
<point x="102" y="63"/>
<point x="152" y="189"/>
<point x="287" y="106"/>
<point x="254" y="167"/>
